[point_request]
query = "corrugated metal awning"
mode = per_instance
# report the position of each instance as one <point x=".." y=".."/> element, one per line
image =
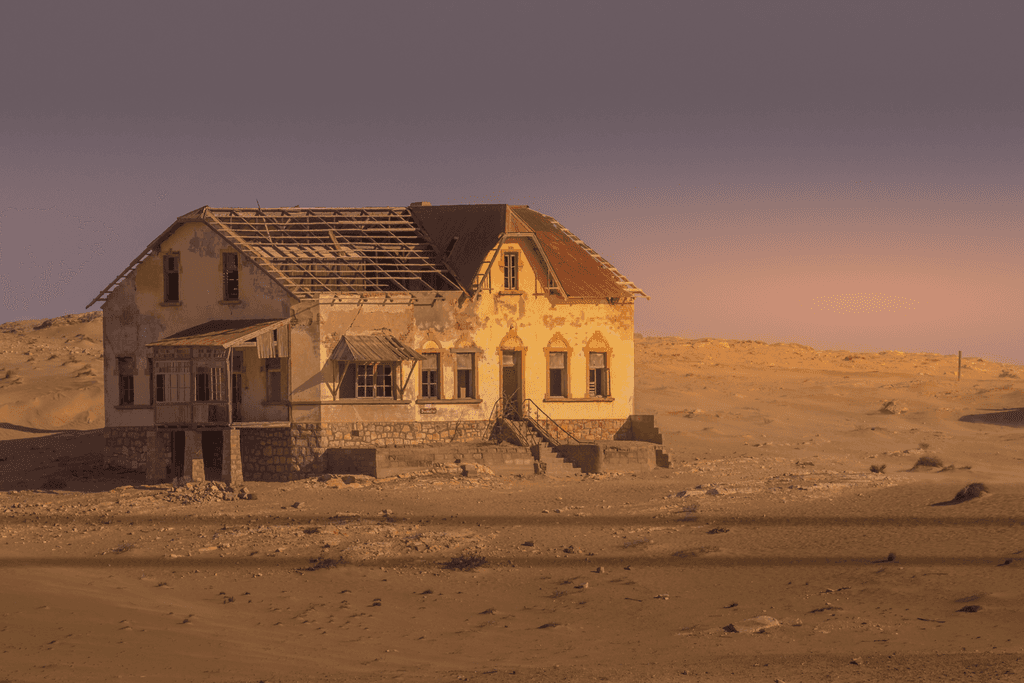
<point x="223" y="333"/>
<point x="372" y="348"/>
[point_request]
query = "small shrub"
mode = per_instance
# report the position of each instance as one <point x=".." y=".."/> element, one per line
<point x="878" y="469"/>
<point x="970" y="492"/>
<point x="928" y="461"/>
<point x="465" y="563"/>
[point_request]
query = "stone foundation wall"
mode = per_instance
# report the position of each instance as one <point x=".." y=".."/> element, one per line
<point x="298" y="451"/>
<point x="126" y="447"/>
<point x="590" y="430"/>
<point x="628" y="456"/>
<point x="644" y="428"/>
<point x="611" y="456"/>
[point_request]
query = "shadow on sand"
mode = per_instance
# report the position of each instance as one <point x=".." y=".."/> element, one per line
<point x="1009" y="418"/>
<point x="67" y="460"/>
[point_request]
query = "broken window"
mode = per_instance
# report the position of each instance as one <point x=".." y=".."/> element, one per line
<point x="125" y="381"/>
<point x="428" y="376"/>
<point x="598" y="380"/>
<point x="172" y="271"/>
<point x="172" y="381"/>
<point x="557" y="384"/>
<point x="273" y="380"/>
<point x="511" y="270"/>
<point x="230" y="277"/>
<point x="465" y="371"/>
<point x="374" y="380"/>
<point x="210" y="384"/>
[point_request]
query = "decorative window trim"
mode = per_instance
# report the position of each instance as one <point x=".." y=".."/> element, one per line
<point x="558" y="344"/>
<point x="598" y="344"/>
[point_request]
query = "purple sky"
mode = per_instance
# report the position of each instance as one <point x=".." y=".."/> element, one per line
<point x="845" y="175"/>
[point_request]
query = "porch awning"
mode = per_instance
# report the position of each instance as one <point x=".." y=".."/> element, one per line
<point x="228" y="333"/>
<point x="372" y="348"/>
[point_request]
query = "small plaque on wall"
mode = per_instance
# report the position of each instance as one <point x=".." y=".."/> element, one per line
<point x="428" y="411"/>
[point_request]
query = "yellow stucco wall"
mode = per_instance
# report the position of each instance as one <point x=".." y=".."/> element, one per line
<point x="529" y="320"/>
<point x="135" y="314"/>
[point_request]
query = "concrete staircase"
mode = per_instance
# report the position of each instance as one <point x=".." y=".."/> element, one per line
<point x="546" y="461"/>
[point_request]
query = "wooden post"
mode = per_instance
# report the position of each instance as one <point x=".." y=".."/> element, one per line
<point x="959" y="358"/>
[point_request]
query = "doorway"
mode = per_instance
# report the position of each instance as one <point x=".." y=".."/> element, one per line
<point x="177" y="454"/>
<point x="512" y="384"/>
<point x="213" y="454"/>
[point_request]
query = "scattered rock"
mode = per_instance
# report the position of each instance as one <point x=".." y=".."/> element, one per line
<point x="893" y="408"/>
<point x="970" y="608"/>
<point x="755" y="625"/>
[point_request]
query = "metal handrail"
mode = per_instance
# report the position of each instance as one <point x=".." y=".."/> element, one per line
<point x="536" y="422"/>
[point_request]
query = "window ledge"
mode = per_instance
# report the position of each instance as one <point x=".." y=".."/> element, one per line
<point x="442" y="401"/>
<point x="170" y="303"/>
<point x="589" y="399"/>
<point x="511" y="292"/>
<point x="364" y="401"/>
<point x="133" y="407"/>
<point x="230" y="302"/>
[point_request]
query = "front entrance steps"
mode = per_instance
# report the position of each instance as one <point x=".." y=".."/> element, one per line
<point x="550" y="463"/>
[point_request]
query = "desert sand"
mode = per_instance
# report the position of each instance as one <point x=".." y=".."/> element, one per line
<point x="770" y="551"/>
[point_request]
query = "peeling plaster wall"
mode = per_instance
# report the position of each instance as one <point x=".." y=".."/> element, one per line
<point x="135" y="314"/>
<point x="530" y="321"/>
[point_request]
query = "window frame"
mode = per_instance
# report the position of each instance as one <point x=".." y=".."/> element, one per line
<point x="274" y="367"/>
<point x="375" y="380"/>
<point x="599" y="385"/>
<point x="510" y="270"/>
<point x="436" y="383"/>
<point x="230" y="277"/>
<point x="470" y="385"/>
<point x="564" y="374"/>
<point x="125" y="381"/>
<point x="172" y="274"/>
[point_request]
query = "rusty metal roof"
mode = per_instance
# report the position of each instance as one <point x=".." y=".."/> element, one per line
<point x="372" y="348"/>
<point x="223" y="333"/>
<point x="582" y="272"/>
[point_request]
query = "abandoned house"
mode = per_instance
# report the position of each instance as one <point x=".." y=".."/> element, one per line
<point x="275" y="344"/>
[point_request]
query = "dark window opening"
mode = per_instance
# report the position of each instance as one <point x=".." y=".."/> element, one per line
<point x="598" y="379"/>
<point x="126" y="381"/>
<point x="557" y="374"/>
<point x="231" y="277"/>
<point x="464" y="370"/>
<point x="273" y="380"/>
<point x="172" y="271"/>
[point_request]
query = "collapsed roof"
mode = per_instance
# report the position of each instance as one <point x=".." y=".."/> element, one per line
<point x="316" y="252"/>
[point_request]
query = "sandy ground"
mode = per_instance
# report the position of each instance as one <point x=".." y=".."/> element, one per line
<point x="769" y="552"/>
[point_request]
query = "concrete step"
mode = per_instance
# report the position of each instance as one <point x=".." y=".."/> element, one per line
<point x="664" y="458"/>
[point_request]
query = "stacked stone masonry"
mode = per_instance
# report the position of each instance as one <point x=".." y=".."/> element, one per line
<point x="303" y="450"/>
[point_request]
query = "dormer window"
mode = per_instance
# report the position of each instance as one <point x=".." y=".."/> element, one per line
<point x="172" y="271"/>
<point x="511" y="270"/>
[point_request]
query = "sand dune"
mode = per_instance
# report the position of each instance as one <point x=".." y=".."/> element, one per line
<point x="770" y="551"/>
